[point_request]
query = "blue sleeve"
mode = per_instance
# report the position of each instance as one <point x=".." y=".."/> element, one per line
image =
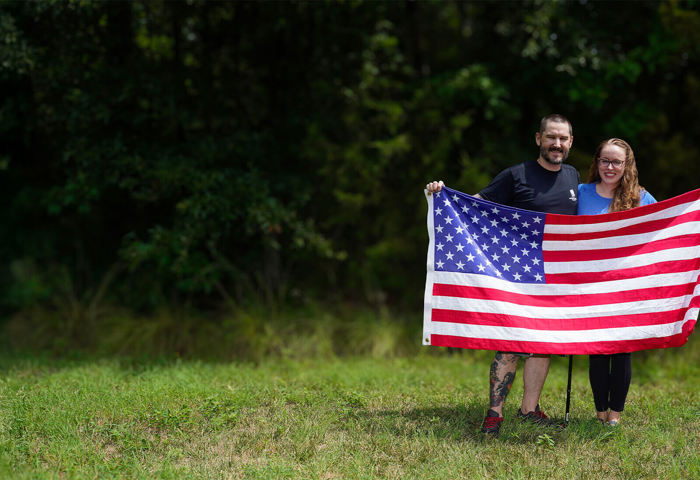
<point x="647" y="198"/>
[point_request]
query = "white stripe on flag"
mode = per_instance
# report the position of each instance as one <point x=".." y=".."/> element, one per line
<point x="628" y="284"/>
<point x="427" y="307"/>
<point x="558" y="312"/>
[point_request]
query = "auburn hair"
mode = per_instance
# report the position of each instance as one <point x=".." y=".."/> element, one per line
<point x="628" y="193"/>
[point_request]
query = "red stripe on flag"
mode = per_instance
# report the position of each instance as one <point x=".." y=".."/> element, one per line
<point x="554" y="219"/>
<point x="558" y="324"/>
<point x="576" y="300"/>
<point x="644" y="227"/>
<point x="680" y="241"/>
<point x="578" y="348"/>
<point x="674" y="266"/>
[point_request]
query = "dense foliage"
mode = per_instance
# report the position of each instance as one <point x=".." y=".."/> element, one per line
<point x="201" y="154"/>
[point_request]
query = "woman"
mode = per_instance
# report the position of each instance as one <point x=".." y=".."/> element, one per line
<point x="613" y="186"/>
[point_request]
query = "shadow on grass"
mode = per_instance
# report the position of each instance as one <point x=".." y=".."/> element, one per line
<point x="462" y="423"/>
<point x="456" y="422"/>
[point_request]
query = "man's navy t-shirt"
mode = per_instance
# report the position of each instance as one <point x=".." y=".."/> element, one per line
<point x="532" y="187"/>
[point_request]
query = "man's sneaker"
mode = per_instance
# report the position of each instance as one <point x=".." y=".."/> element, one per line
<point x="492" y="423"/>
<point x="538" y="417"/>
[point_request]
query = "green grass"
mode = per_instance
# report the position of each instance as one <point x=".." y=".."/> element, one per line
<point x="330" y="418"/>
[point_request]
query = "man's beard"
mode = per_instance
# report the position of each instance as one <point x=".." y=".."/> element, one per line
<point x="545" y="155"/>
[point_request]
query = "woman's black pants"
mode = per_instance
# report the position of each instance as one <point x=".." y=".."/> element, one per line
<point x="610" y="377"/>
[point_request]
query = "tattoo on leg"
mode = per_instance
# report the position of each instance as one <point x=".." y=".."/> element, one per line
<point x="499" y="388"/>
<point x="503" y="388"/>
<point x="493" y="374"/>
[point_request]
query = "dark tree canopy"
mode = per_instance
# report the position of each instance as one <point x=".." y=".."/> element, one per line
<point x="207" y="152"/>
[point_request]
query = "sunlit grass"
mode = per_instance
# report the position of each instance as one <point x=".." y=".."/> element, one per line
<point x="358" y="417"/>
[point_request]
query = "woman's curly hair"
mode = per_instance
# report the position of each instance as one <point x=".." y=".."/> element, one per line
<point x="628" y="192"/>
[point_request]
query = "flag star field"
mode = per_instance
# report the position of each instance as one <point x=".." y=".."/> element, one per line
<point x="475" y="236"/>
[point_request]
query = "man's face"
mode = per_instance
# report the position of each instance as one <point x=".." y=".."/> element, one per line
<point x="554" y="142"/>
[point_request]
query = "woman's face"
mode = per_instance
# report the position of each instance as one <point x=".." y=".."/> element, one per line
<point x="611" y="165"/>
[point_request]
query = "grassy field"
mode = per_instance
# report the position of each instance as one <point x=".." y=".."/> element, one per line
<point x="332" y="418"/>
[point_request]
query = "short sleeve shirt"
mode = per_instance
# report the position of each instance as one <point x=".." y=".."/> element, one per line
<point x="590" y="203"/>
<point x="530" y="186"/>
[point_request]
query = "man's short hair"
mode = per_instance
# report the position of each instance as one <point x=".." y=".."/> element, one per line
<point x="554" y="117"/>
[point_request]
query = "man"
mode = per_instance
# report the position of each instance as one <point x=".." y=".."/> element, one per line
<point x="544" y="185"/>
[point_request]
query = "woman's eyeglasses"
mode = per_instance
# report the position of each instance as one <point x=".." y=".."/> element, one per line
<point x="605" y="162"/>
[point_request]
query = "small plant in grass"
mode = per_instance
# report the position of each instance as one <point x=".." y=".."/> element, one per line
<point x="168" y="418"/>
<point x="606" y="436"/>
<point x="545" y="441"/>
<point x="219" y="412"/>
<point x="354" y="399"/>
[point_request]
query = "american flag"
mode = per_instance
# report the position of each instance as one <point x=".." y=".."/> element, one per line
<point x="501" y="278"/>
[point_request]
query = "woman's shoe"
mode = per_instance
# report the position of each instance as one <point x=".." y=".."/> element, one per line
<point x="613" y="423"/>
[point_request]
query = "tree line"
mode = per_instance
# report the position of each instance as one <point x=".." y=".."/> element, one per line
<point x="208" y="154"/>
